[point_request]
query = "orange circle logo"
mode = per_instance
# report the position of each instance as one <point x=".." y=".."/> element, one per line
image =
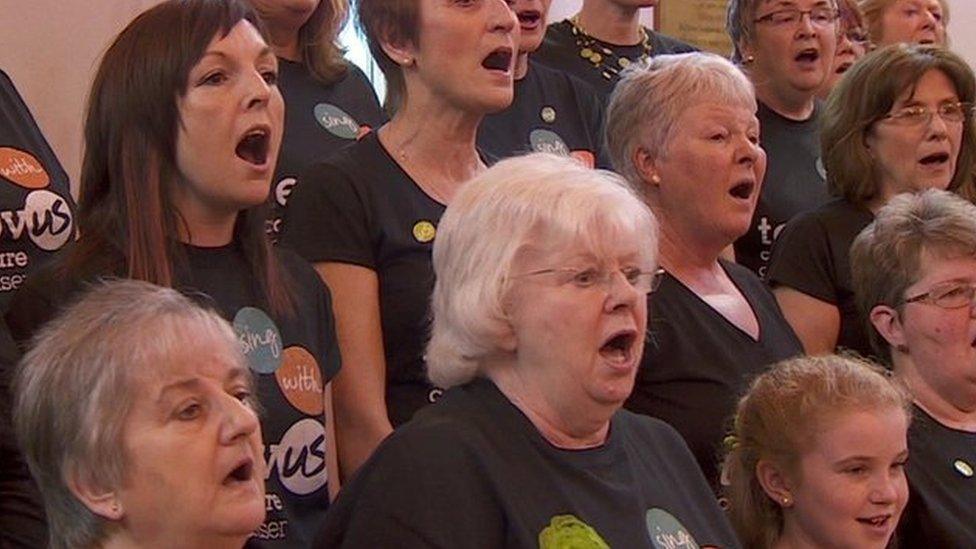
<point x="301" y="381"/>
<point x="22" y="168"/>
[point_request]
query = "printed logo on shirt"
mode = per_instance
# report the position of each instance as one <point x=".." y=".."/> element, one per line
<point x="21" y="168"/>
<point x="46" y="218"/>
<point x="569" y="532"/>
<point x="547" y="141"/>
<point x="424" y="231"/>
<point x="586" y="157"/>
<point x="299" y="459"/>
<point x="667" y="532"/>
<point x="300" y="380"/>
<point x="821" y="169"/>
<point x="337" y="122"/>
<point x="259" y="338"/>
<point x="283" y="190"/>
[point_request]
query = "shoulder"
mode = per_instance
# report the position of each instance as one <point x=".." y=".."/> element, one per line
<point x="664" y="44"/>
<point x="355" y="164"/>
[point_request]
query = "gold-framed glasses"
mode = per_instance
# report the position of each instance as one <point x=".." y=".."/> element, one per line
<point x="591" y="277"/>
<point x="953" y="295"/>
<point x="921" y="115"/>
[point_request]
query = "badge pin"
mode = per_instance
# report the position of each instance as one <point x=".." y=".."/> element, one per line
<point x="548" y="115"/>
<point x="424" y="231"/>
<point x="963" y="468"/>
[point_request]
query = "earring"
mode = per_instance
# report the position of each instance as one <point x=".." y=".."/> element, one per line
<point x="749" y="59"/>
<point x="656" y="179"/>
<point x="786" y="501"/>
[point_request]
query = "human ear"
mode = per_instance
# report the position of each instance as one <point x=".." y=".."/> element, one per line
<point x="400" y="51"/>
<point x="646" y="166"/>
<point x="99" y="500"/>
<point x="774" y="482"/>
<point x="887" y="322"/>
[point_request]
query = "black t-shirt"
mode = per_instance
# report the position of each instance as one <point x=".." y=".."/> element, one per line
<point x="319" y="120"/>
<point x="361" y="208"/>
<point x="472" y="471"/>
<point x="560" y="50"/>
<point x="942" y="484"/>
<point x="795" y="183"/>
<point x="36" y="208"/>
<point x="22" y="522"/>
<point x="696" y="363"/>
<point x="552" y="112"/>
<point x="292" y="358"/>
<point x="812" y="256"/>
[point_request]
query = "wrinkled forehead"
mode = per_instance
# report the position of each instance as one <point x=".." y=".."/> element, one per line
<point x="602" y="241"/>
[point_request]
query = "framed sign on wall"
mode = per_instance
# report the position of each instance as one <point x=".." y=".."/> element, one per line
<point x="698" y="22"/>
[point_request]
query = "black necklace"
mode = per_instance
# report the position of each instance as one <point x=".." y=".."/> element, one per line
<point x="604" y="59"/>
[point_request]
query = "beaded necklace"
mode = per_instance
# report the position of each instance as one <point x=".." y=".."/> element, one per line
<point x="604" y="59"/>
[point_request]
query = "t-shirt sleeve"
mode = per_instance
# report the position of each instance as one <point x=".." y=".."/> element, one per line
<point x="802" y="259"/>
<point x="422" y="490"/>
<point x="328" y="219"/>
<point x="332" y="361"/>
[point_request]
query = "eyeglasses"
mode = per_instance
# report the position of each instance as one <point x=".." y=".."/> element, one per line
<point x="643" y="281"/>
<point x="857" y="36"/>
<point x="947" y="296"/>
<point x="918" y="116"/>
<point x="819" y="17"/>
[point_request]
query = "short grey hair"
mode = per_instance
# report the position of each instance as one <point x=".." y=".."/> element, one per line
<point x="740" y="24"/>
<point x="651" y="96"/>
<point x="495" y="216"/>
<point x="74" y="389"/>
<point x="886" y="258"/>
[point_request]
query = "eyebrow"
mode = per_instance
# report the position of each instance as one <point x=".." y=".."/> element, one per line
<point x="265" y="52"/>
<point x="236" y="373"/>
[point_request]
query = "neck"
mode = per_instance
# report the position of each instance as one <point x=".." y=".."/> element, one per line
<point x="284" y="39"/>
<point x="793" y="537"/>
<point x="521" y="65"/>
<point x="123" y="539"/>
<point x="955" y="415"/>
<point x="682" y="253"/>
<point x="563" y="425"/>
<point x="434" y="143"/>
<point x="792" y="104"/>
<point x="204" y="228"/>
<point x="610" y="22"/>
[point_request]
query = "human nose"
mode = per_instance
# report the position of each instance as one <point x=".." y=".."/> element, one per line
<point x="805" y="26"/>
<point x="257" y="90"/>
<point x="503" y="17"/>
<point x="620" y="291"/>
<point x="239" y="420"/>
<point x="936" y="126"/>
<point x="885" y="489"/>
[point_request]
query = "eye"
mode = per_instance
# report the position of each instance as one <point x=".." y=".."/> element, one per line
<point x="270" y="77"/>
<point x="718" y="137"/>
<point x="189" y="411"/>
<point x="586" y="277"/>
<point x="214" y="79"/>
<point x="632" y="274"/>
<point x="753" y="138"/>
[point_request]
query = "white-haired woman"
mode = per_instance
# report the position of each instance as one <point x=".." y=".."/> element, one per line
<point x="543" y="269"/>
<point x="912" y="21"/>
<point x="683" y="130"/>
<point x="914" y="273"/>
<point x="135" y="412"/>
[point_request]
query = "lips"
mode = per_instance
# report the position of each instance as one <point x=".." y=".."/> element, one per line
<point x="529" y="19"/>
<point x="619" y="348"/>
<point x="935" y="160"/>
<point x="881" y="524"/>
<point x="808" y="55"/>
<point x="499" y="60"/>
<point x="843" y="67"/>
<point x="743" y="190"/>
<point x="254" y="146"/>
<point x="242" y="472"/>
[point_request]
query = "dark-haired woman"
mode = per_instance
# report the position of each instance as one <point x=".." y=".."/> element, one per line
<point x="182" y="131"/>
<point x="367" y="218"/>
<point x="329" y="102"/>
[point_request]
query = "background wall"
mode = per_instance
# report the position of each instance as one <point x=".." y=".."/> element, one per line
<point x="50" y="48"/>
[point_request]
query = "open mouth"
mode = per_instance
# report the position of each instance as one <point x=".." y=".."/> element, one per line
<point x="253" y="147"/>
<point x="935" y="159"/>
<point x="743" y="190"/>
<point x="843" y="67"/>
<point x="498" y="60"/>
<point x="809" y="55"/>
<point x="879" y="521"/>
<point x="244" y="472"/>
<point x="529" y="19"/>
<point x="618" y="347"/>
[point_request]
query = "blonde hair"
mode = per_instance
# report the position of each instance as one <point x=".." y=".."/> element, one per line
<point x="318" y="40"/>
<point x="775" y="422"/>
<point x="496" y="215"/>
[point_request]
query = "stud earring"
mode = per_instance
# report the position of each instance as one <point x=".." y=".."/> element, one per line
<point x="749" y="59"/>
<point x="786" y="501"/>
<point x="656" y="179"/>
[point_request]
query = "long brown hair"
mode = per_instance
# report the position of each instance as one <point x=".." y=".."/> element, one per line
<point x="318" y="41"/>
<point x="127" y="221"/>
